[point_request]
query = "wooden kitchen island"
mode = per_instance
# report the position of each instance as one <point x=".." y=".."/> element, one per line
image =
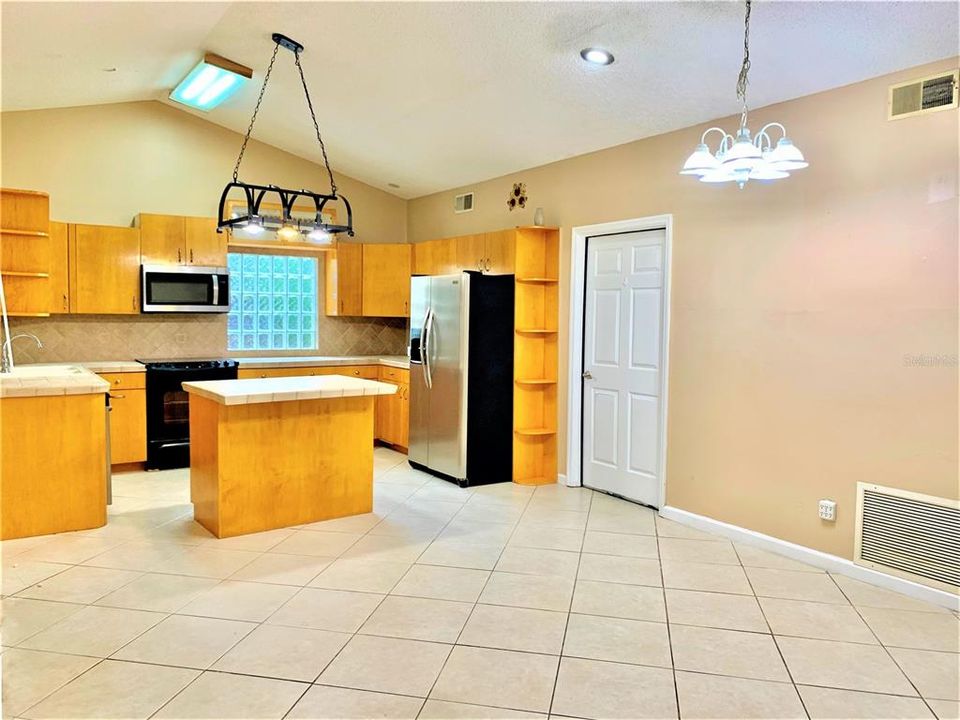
<point x="271" y="453"/>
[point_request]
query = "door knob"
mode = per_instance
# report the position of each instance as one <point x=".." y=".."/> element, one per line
<point x="587" y="375"/>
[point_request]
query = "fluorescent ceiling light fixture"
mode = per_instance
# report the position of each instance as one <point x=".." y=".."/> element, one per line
<point x="212" y="81"/>
<point x="597" y="56"/>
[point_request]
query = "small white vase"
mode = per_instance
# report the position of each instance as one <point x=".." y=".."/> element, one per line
<point x="538" y="217"/>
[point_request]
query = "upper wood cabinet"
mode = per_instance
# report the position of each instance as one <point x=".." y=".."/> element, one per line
<point x="161" y="239"/>
<point x="104" y="269"/>
<point x="59" y="268"/>
<point x="487" y="252"/>
<point x="386" y="280"/>
<point x="204" y="245"/>
<point x="435" y="257"/>
<point x="175" y="239"/>
<point x="344" y="278"/>
<point x="25" y="251"/>
<point x="421" y="258"/>
<point x="471" y="252"/>
<point x="500" y="250"/>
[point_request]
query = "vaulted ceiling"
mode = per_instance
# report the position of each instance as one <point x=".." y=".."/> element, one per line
<point x="429" y="96"/>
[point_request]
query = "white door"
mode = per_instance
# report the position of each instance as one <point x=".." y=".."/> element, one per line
<point x="623" y="331"/>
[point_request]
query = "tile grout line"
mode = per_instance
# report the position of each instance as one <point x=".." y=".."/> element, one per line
<point x="573" y="594"/>
<point x="666" y="614"/>
<point x="476" y="602"/>
<point x="772" y="635"/>
<point x="885" y="648"/>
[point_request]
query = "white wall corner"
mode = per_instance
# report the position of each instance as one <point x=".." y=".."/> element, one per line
<point x="822" y="560"/>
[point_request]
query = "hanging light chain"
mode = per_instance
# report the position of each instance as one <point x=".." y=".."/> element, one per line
<point x="745" y="68"/>
<point x="313" y="116"/>
<point x="256" y="109"/>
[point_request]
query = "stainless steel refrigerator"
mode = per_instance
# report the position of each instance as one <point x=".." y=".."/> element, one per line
<point x="461" y="376"/>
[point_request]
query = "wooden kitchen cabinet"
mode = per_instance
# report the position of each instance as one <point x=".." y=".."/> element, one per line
<point x="367" y="372"/>
<point x="104" y="269"/>
<point x="128" y="425"/>
<point x="500" y="249"/>
<point x="393" y="411"/>
<point x="59" y="268"/>
<point x="386" y="280"/>
<point x="203" y="244"/>
<point x="344" y="278"/>
<point x="162" y="239"/>
<point x="487" y="252"/>
<point x="471" y="252"/>
<point x="422" y="258"/>
<point x="179" y="240"/>
<point x="128" y="417"/>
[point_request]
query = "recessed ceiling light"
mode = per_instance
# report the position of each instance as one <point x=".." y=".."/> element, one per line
<point x="597" y="56"/>
<point x="212" y="81"/>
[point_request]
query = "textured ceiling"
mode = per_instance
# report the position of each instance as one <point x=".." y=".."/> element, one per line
<point x="437" y="95"/>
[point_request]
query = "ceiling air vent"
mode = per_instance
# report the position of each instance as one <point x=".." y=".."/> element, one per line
<point x="929" y="94"/>
<point x="463" y="203"/>
<point x="908" y="534"/>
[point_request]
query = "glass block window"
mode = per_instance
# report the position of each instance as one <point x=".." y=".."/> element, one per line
<point x="273" y="302"/>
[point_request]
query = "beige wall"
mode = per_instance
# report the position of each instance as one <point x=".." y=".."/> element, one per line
<point x="103" y="164"/>
<point x="794" y="306"/>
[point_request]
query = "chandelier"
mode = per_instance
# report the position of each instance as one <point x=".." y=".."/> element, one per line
<point x="318" y="229"/>
<point x="742" y="158"/>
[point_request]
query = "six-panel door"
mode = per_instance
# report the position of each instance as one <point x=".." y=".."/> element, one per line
<point x="623" y="329"/>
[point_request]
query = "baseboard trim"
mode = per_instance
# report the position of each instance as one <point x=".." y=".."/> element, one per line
<point x="561" y="479"/>
<point x="822" y="560"/>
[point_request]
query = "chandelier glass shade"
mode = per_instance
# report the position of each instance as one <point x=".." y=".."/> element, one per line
<point x="742" y="158"/>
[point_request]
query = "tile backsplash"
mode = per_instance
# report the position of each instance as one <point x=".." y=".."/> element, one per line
<point x="76" y="338"/>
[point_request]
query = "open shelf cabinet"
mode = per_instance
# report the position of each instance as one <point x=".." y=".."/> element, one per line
<point x="25" y="251"/>
<point x="537" y="269"/>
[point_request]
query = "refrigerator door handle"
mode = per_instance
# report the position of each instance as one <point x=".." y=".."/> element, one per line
<point x="425" y="348"/>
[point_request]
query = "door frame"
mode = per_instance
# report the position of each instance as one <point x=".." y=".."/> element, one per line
<point x="578" y="274"/>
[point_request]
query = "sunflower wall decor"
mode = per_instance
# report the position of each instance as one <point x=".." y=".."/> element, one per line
<point x="518" y="197"/>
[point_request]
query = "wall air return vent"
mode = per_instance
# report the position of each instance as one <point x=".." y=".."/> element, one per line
<point x="926" y="95"/>
<point x="463" y="203"/>
<point x="908" y="534"/>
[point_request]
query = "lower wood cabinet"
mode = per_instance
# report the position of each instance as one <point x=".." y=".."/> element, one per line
<point x="393" y="411"/>
<point x="367" y="372"/>
<point x="128" y="417"/>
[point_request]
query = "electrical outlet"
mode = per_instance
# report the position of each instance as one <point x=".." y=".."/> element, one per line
<point x="828" y="510"/>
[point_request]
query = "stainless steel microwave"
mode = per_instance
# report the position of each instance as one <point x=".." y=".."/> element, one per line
<point x="185" y="289"/>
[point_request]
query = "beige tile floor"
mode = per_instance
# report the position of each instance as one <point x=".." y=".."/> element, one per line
<point x="494" y="602"/>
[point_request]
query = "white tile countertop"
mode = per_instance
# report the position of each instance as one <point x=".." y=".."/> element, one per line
<point x="284" y="389"/>
<point x="250" y="363"/>
<point x="39" y="380"/>
<point x="113" y="366"/>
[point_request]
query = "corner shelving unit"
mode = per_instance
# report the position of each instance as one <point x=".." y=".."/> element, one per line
<point x="537" y="270"/>
<point x="25" y="252"/>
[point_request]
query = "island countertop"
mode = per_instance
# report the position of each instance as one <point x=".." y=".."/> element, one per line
<point x="42" y="380"/>
<point x="285" y="389"/>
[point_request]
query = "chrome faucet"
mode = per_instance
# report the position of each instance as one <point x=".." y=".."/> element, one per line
<point x="6" y="357"/>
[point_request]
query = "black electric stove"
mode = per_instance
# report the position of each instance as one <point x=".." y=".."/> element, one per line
<point x="168" y="406"/>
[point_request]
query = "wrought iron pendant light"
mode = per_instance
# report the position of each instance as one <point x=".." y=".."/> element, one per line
<point x="740" y="159"/>
<point x="318" y="229"/>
